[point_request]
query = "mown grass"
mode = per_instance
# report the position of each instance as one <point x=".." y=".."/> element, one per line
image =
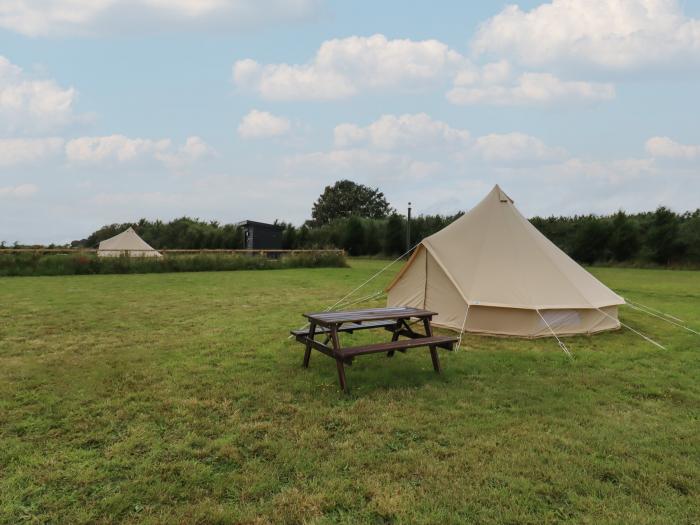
<point x="177" y="398"/>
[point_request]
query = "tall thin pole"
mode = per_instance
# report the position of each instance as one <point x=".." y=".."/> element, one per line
<point x="408" y="228"/>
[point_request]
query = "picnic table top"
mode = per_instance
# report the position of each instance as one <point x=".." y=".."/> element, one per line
<point x="367" y="314"/>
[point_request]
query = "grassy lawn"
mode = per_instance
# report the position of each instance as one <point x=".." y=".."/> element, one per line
<point x="177" y="398"/>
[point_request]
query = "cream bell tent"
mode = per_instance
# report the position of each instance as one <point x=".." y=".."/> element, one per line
<point x="493" y="272"/>
<point x="126" y="243"/>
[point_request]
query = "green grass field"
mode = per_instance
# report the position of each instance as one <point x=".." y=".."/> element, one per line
<point x="177" y="398"/>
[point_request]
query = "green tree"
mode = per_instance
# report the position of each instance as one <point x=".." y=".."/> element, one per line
<point x="373" y="243"/>
<point x="354" y="236"/>
<point x="590" y="240"/>
<point x="624" y="238"/>
<point x="232" y="237"/>
<point x="689" y="235"/>
<point x="346" y="198"/>
<point x="185" y="233"/>
<point x="662" y="236"/>
<point x="303" y="237"/>
<point x="289" y="237"/>
<point x="395" y="238"/>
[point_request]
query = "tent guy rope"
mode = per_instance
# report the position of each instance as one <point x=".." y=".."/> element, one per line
<point x="461" y="332"/>
<point x="662" y="318"/>
<point x="653" y="310"/>
<point x="362" y="299"/>
<point x="349" y="294"/>
<point x="371" y="278"/>
<point x="640" y="334"/>
<point x="561" y="344"/>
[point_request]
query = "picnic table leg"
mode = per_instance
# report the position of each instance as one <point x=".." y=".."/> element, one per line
<point x="341" y="374"/>
<point x="394" y="337"/>
<point x="307" y="352"/>
<point x="433" y="348"/>
<point x="338" y="360"/>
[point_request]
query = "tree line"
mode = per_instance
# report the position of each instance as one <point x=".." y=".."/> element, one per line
<point x="184" y="233"/>
<point x="661" y="237"/>
<point x="360" y="220"/>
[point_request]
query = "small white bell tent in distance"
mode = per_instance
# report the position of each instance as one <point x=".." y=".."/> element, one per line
<point x="128" y="243"/>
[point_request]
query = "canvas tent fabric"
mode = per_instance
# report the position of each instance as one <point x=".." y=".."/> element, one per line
<point x="492" y="272"/>
<point x="128" y="243"/>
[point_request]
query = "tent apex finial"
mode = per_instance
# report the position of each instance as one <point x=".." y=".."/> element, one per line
<point x="502" y="195"/>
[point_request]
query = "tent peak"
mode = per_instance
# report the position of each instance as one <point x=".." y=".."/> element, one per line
<point x="502" y="195"/>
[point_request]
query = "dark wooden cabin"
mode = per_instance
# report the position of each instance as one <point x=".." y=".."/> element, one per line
<point x="261" y="236"/>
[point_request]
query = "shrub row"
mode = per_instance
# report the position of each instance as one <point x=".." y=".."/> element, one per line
<point x="26" y="264"/>
<point x="662" y="237"/>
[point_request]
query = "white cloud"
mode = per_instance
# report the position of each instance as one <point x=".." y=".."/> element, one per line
<point x="114" y="148"/>
<point x="261" y="124"/>
<point x="391" y="131"/>
<point x="522" y="165"/>
<point x="29" y="104"/>
<point x="141" y="200"/>
<point x="610" y="34"/>
<point x="97" y="17"/>
<point x="666" y="147"/>
<point x="345" y="67"/>
<point x="362" y="165"/>
<point x="103" y="151"/>
<point x="21" y="191"/>
<point x="342" y="67"/>
<point x="421" y="135"/>
<point x="511" y="147"/>
<point x="417" y="148"/>
<point x="21" y="151"/>
<point x="595" y="185"/>
<point x="493" y="86"/>
<point x="118" y="149"/>
<point x="585" y="185"/>
<point x="193" y="150"/>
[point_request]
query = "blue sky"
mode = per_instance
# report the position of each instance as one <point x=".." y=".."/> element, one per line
<point x="112" y="110"/>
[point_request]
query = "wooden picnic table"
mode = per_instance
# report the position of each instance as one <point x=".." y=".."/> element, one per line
<point x="395" y="320"/>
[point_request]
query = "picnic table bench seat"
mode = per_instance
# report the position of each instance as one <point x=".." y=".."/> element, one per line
<point x="441" y="341"/>
<point x="398" y="320"/>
